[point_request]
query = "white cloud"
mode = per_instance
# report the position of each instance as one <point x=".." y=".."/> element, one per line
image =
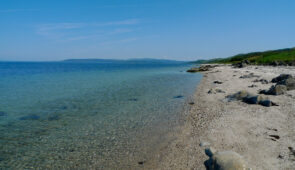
<point x="78" y="31"/>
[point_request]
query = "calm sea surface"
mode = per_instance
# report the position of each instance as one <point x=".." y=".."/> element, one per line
<point x="63" y="115"/>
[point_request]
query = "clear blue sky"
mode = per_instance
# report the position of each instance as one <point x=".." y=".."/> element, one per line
<point x="45" y="30"/>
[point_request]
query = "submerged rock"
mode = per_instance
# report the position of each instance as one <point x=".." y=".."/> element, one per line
<point x="226" y="160"/>
<point x="3" y="113"/>
<point x="30" y="117"/>
<point x="178" y="97"/>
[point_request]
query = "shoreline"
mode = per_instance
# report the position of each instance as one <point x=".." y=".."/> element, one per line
<point x="235" y="125"/>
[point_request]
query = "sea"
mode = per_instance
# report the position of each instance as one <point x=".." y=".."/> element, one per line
<point x="90" y="114"/>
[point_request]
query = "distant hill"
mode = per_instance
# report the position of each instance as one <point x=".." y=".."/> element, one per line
<point x="133" y="61"/>
<point x="261" y="58"/>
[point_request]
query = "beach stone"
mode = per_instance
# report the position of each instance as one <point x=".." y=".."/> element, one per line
<point x="252" y="99"/>
<point x="263" y="81"/>
<point x="219" y="91"/>
<point x="240" y="65"/>
<point x="277" y="90"/>
<point x="252" y="86"/>
<point x="241" y="94"/>
<point x="281" y="77"/>
<point x="251" y="75"/>
<point x="217" y="82"/>
<point x="226" y="160"/>
<point x="30" y="117"/>
<point x="266" y="103"/>
<point x="289" y="83"/>
<point x="210" y="152"/>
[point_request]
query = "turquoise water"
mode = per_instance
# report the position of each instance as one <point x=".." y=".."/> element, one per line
<point x="64" y="115"/>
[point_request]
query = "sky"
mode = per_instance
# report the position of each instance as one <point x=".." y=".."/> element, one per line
<point x="53" y="30"/>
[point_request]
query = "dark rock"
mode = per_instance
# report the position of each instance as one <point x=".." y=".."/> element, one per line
<point x="246" y="62"/>
<point x="191" y="103"/>
<point x="253" y="85"/>
<point x="252" y="99"/>
<point x="292" y="150"/>
<point x="214" y="91"/>
<point x="266" y="103"/>
<point x="3" y="113"/>
<point x="219" y="91"/>
<point x="30" y="117"/>
<point x="281" y="156"/>
<point x="274" y="63"/>
<point x="217" y="82"/>
<point x="239" y="65"/>
<point x="178" y="97"/>
<point x="281" y="77"/>
<point x="289" y="83"/>
<point x="275" y="136"/>
<point x="275" y="90"/>
<point x="263" y="81"/>
<point x="141" y="162"/>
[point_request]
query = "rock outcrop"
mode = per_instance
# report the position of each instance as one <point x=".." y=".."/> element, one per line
<point x="249" y="98"/>
<point x="201" y="68"/>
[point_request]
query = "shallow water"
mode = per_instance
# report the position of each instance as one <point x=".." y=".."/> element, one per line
<point x="88" y="115"/>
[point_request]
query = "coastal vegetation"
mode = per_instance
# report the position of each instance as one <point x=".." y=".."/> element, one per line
<point x="278" y="57"/>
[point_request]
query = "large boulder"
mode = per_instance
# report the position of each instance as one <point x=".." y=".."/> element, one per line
<point x="226" y="160"/>
<point x="252" y="99"/>
<point x="289" y="83"/>
<point x="281" y="77"/>
<point x="275" y="90"/>
<point x="240" y="95"/>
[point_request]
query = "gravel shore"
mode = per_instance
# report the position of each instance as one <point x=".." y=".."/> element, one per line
<point x="263" y="136"/>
